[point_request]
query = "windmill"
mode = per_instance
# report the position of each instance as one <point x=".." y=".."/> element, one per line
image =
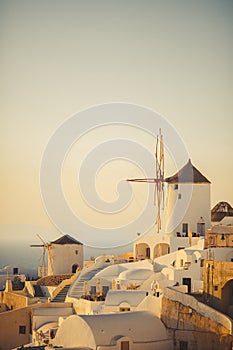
<point x="42" y="258"/>
<point x="158" y="180"/>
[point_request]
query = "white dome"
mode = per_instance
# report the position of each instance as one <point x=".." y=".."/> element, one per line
<point x="137" y="274"/>
<point x="96" y="330"/>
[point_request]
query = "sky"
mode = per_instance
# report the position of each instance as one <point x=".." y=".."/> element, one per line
<point x="61" y="57"/>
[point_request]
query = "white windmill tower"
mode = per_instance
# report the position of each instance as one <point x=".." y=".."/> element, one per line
<point x="187" y="204"/>
<point x="188" y="213"/>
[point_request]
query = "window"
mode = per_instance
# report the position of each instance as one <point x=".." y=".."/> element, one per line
<point x="183" y="345"/>
<point x="202" y="263"/>
<point x="215" y="288"/>
<point x="148" y="253"/>
<point x="76" y="252"/>
<point x="176" y="187"/>
<point x="123" y="309"/>
<point x="105" y="290"/>
<point x="181" y="262"/>
<point x="185" y="228"/>
<point x="93" y="290"/>
<point x="201" y="228"/>
<point x="125" y="345"/>
<point x="22" y="329"/>
<point x="179" y="196"/>
<point x="231" y="259"/>
<point x="211" y="240"/>
<point x="15" y="271"/>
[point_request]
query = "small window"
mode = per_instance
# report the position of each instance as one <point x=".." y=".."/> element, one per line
<point x="15" y="271"/>
<point x="179" y="196"/>
<point x="185" y="228"/>
<point x="148" y="253"/>
<point x="211" y="240"/>
<point x="215" y="288"/>
<point x="93" y="290"/>
<point x="202" y="263"/>
<point x="125" y="345"/>
<point x="231" y="259"/>
<point x="201" y="228"/>
<point x="22" y="329"/>
<point x="181" y="262"/>
<point x="105" y="290"/>
<point x="76" y="252"/>
<point x="176" y="187"/>
<point x="124" y="309"/>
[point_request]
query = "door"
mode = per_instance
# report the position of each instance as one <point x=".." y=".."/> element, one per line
<point x="148" y="253"/>
<point x="125" y="345"/>
<point x="187" y="282"/>
<point x="74" y="268"/>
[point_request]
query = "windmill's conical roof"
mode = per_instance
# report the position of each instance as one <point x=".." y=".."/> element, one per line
<point x="66" y="239"/>
<point x="187" y="174"/>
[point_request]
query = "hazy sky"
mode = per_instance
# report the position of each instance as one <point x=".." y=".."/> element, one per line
<point x="61" y="56"/>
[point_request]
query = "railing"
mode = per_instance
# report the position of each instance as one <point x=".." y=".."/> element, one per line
<point x="66" y="282"/>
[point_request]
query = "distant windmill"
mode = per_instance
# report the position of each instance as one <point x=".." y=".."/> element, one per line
<point x="158" y="180"/>
<point x="45" y="246"/>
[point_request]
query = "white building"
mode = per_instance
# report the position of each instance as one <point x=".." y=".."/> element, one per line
<point x="65" y="255"/>
<point x="123" y="300"/>
<point x="123" y="331"/>
<point x="45" y="320"/>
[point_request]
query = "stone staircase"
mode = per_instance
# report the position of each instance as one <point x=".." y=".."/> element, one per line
<point x="77" y="288"/>
<point x="61" y="296"/>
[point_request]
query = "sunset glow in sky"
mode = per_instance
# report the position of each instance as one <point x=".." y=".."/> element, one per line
<point x="59" y="57"/>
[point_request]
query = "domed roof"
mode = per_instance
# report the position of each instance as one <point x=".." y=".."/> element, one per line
<point x="135" y="274"/>
<point x="187" y="174"/>
<point x="95" y="330"/>
<point x="131" y="297"/>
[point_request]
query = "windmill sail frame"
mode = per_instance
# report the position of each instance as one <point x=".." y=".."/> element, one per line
<point x="158" y="180"/>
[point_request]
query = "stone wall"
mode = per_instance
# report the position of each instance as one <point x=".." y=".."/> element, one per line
<point x="16" y="300"/>
<point x="218" y="285"/>
<point x="194" y="324"/>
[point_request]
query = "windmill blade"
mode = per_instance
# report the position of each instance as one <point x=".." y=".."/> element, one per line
<point x="41" y="258"/>
<point x="50" y="259"/>
<point x="145" y="179"/>
<point x="158" y="180"/>
<point x="45" y="244"/>
<point x="159" y="170"/>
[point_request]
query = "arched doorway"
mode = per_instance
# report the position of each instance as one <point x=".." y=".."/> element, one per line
<point x="74" y="268"/>
<point x="161" y="249"/>
<point x="142" y="251"/>
<point x="227" y="298"/>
